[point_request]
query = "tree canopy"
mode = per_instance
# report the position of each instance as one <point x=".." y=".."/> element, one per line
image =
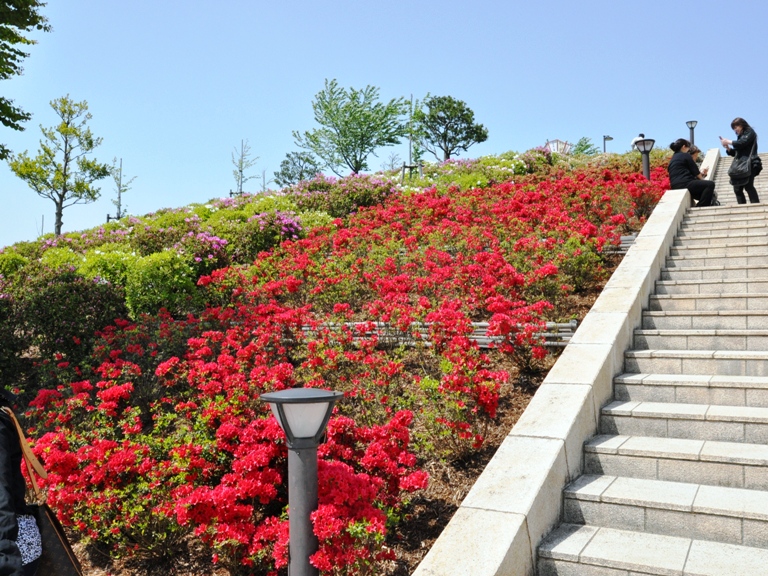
<point x="353" y="124"/>
<point x="295" y="167"/>
<point x="61" y="171"/>
<point x="447" y="125"/>
<point x="585" y="146"/>
<point x="17" y="19"/>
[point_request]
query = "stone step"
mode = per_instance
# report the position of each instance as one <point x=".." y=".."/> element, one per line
<point x="727" y="515"/>
<point x="718" y="339"/>
<point x="718" y="286"/>
<point x="711" y="223"/>
<point x="736" y="247"/>
<point x="714" y="272"/>
<point x="573" y="550"/>
<point x="721" y="237"/>
<point x="746" y="213"/>
<point x="692" y="389"/>
<point x="744" y="424"/>
<point x="726" y="464"/>
<point x="744" y="260"/>
<point x="708" y="302"/>
<point x="712" y="362"/>
<point x="705" y="320"/>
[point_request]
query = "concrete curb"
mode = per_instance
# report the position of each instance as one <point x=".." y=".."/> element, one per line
<point x="517" y="499"/>
<point x="710" y="163"/>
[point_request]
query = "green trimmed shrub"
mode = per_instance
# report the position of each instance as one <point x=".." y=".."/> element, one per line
<point x="160" y="280"/>
<point x="11" y="262"/>
<point x="111" y="265"/>
<point x="61" y="258"/>
<point x="60" y="311"/>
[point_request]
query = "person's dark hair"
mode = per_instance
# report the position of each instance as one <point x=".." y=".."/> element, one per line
<point x="739" y="122"/>
<point x="678" y="144"/>
<point x="694" y="149"/>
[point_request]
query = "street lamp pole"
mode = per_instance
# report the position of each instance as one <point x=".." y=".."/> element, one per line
<point x="691" y="125"/>
<point x="303" y="414"/>
<point x="606" y="138"/>
<point x="645" y="146"/>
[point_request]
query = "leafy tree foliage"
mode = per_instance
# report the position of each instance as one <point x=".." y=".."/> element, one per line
<point x="585" y="146"/>
<point x="447" y="125"/>
<point x="296" y="166"/>
<point x="17" y="17"/>
<point x="61" y="171"/>
<point x="353" y="124"/>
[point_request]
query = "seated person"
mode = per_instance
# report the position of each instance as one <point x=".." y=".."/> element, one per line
<point x="684" y="173"/>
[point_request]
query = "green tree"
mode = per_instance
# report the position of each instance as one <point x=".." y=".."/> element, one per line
<point x="447" y="125"/>
<point x="61" y="171"/>
<point x="353" y="124"/>
<point x="121" y="187"/>
<point x="585" y="146"/>
<point x="296" y="166"/>
<point x="242" y="162"/>
<point x="17" y="18"/>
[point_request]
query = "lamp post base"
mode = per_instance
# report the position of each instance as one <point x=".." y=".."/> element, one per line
<point x="302" y="501"/>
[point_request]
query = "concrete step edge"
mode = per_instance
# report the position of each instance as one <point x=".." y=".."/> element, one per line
<point x="687" y="412"/>
<point x="577" y="549"/>
<point x="710" y="451"/>
<point x="714" y="381"/>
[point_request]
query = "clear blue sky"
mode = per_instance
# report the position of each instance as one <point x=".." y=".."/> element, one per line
<point x="174" y="86"/>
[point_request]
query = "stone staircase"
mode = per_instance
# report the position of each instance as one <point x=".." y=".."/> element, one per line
<point x="676" y="482"/>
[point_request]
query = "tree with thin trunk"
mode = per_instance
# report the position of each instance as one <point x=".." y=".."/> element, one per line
<point x="353" y="124"/>
<point x="242" y="161"/>
<point x="61" y="170"/>
<point x="447" y="125"/>
<point x="296" y="166"/>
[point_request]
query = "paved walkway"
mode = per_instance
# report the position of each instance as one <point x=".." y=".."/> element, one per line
<point x="676" y="482"/>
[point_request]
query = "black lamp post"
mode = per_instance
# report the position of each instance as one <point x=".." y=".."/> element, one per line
<point x="606" y="139"/>
<point x="645" y="146"/>
<point x="691" y="125"/>
<point x="303" y="414"/>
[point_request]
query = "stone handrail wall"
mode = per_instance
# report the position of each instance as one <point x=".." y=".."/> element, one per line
<point x="517" y="499"/>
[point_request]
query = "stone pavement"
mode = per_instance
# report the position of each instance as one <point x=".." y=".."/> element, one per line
<point x="676" y="481"/>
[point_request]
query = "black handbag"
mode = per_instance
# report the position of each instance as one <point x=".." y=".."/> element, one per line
<point x="757" y="165"/>
<point x="57" y="558"/>
<point x="741" y="168"/>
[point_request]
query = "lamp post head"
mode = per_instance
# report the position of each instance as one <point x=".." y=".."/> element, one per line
<point x="608" y="138"/>
<point x="691" y="124"/>
<point x="302" y="413"/>
<point x="645" y="145"/>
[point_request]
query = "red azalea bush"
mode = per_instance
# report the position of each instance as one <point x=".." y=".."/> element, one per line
<point x="160" y="437"/>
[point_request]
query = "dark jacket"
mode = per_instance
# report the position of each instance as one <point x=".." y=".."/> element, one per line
<point x="12" y="488"/>
<point x="682" y="169"/>
<point x="743" y="145"/>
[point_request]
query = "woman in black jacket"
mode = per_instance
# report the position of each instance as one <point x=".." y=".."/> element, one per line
<point x="20" y="546"/>
<point x="684" y="173"/>
<point x="742" y="146"/>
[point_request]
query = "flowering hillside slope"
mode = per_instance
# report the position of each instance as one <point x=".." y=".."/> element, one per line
<point x="154" y="436"/>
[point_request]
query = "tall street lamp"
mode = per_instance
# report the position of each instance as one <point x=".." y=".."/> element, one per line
<point x="691" y="125"/>
<point x="645" y="145"/>
<point x="303" y="414"/>
<point x="606" y="139"/>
